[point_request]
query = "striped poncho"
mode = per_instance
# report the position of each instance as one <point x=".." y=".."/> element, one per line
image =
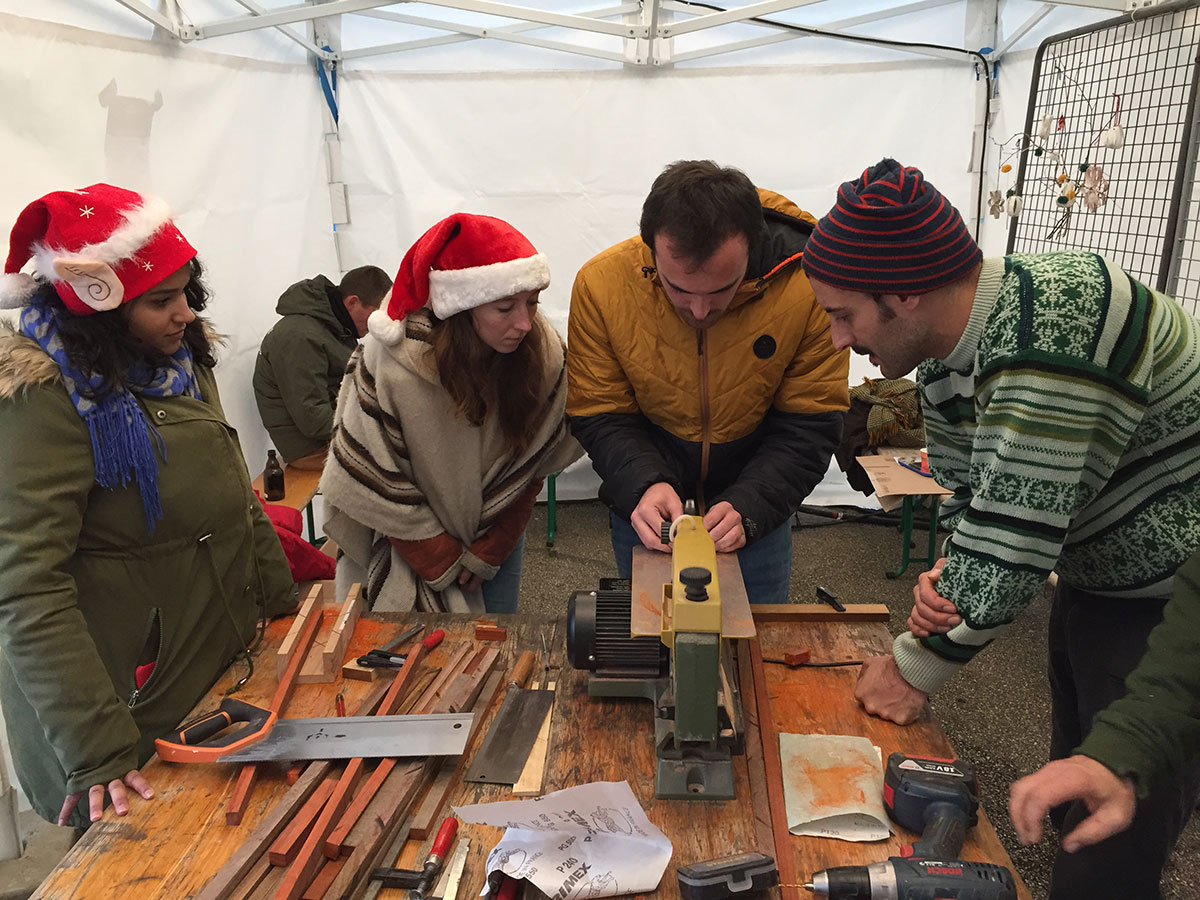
<point x="1067" y="423"/>
<point x="404" y="464"/>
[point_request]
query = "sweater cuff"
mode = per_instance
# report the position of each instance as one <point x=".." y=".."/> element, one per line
<point x="473" y="563"/>
<point x="920" y="667"/>
<point x="432" y="559"/>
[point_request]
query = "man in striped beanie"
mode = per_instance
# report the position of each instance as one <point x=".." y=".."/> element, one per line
<point x="1062" y="407"/>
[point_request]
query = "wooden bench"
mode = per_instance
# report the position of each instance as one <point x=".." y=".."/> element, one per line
<point x="300" y="486"/>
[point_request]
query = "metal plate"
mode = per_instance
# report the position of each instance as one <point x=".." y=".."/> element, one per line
<point x="651" y="570"/>
<point x="344" y="737"/>
<point x="502" y="756"/>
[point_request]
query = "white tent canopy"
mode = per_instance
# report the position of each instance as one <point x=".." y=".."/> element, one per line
<point x="554" y="115"/>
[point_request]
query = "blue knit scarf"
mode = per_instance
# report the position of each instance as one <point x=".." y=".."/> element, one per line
<point x="123" y="440"/>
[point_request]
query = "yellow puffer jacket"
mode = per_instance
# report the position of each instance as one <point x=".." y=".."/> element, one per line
<point x="748" y="410"/>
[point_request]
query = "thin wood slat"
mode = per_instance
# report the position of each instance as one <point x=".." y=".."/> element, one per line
<point x="491" y="686"/>
<point x="755" y="767"/>
<point x="283" y="849"/>
<point x="324" y="879"/>
<point x="221" y="885"/>
<point x="819" y="612"/>
<point x="304" y="868"/>
<point x="785" y="862"/>
<point x="239" y="797"/>
<point x="465" y="687"/>
<point x="529" y="784"/>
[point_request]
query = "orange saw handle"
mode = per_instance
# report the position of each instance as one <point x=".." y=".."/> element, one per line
<point x="201" y="740"/>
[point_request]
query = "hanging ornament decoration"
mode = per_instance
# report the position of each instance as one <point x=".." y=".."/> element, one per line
<point x="1013" y="204"/>
<point x="1044" y="128"/>
<point x="1095" y="189"/>
<point x="995" y="203"/>
<point x="1067" y="193"/>
<point x="1113" y="137"/>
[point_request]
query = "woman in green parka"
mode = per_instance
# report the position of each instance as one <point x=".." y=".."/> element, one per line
<point x="135" y="561"/>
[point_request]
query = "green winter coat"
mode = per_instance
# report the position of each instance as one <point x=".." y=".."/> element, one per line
<point x="300" y="367"/>
<point x="86" y="593"/>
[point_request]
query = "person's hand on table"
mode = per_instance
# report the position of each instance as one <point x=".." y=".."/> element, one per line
<point x="658" y="504"/>
<point x="931" y="612"/>
<point x="883" y="692"/>
<point x="1110" y="799"/>
<point x="469" y="581"/>
<point x="724" y="525"/>
<point x="115" y="789"/>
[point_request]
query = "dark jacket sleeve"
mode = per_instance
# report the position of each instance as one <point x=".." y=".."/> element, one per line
<point x="624" y="456"/>
<point x="300" y="361"/>
<point x="1154" y="730"/>
<point x="790" y="461"/>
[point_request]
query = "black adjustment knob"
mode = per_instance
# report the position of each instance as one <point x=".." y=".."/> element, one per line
<point x="695" y="580"/>
<point x="664" y="531"/>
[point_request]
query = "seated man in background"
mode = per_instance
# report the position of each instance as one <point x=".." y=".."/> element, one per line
<point x="700" y="367"/>
<point x="302" y="359"/>
<point x="1062" y="408"/>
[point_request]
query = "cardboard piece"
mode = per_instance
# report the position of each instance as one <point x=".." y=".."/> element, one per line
<point x="893" y="482"/>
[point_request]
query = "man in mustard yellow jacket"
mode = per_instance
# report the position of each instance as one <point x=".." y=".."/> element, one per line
<point x="700" y="367"/>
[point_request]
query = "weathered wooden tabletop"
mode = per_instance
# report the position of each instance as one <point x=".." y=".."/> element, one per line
<point x="170" y="846"/>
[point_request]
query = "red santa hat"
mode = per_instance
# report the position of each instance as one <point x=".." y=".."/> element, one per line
<point x="98" y="246"/>
<point x="462" y="262"/>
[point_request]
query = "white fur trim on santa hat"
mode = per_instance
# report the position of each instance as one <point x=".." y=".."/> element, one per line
<point x="140" y="225"/>
<point x="15" y="290"/>
<point x="385" y="329"/>
<point x="456" y="290"/>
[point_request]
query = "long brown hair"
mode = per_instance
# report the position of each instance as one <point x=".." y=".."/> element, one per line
<point x="479" y="379"/>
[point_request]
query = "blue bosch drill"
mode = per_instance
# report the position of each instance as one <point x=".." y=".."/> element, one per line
<point x="940" y="799"/>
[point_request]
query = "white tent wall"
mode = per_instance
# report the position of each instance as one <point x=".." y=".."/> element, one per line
<point x="234" y="145"/>
<point x="568" y="156"/>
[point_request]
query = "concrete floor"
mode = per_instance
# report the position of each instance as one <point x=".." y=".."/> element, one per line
<point x="996" y="712"/>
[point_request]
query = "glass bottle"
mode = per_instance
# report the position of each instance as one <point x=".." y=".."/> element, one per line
<point x="273" y="478"/>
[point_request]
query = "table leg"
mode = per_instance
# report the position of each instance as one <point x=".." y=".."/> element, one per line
<point x="312" y="525"/>
<point x="551" y="511"/>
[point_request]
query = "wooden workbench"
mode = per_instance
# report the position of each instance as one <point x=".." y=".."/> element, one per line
<point x="170" y="846"/>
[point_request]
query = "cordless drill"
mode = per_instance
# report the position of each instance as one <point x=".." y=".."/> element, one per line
<point x="940" y="799"/>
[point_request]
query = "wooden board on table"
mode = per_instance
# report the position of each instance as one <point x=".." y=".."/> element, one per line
<point x="651" y="570"/>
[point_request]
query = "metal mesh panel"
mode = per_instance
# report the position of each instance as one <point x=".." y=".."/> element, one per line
<point x="1147" y="205"/>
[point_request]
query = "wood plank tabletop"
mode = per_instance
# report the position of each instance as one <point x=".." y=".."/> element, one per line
<point x="171" y="846"/>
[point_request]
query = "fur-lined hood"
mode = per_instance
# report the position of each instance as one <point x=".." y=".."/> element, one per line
<point x="23" y="363"/>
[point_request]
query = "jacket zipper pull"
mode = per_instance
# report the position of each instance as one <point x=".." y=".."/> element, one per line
<point x="133" y="695"/>
<point x="648" y="271"/>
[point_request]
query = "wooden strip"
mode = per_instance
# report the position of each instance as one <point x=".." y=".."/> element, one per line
<point x="283" y="849"/>
<point x="385" y="816"/>
<point x="248" y="885"/>
<point x="388" y="857"/>
<point x="785" y="860"/>
<point x="308" y="860"/>
<point x="465" y="687"/>
<point x="268" y="884"/>
<point x="435" y="799"/>
<point x="324" y="879"/>
<point x="529" y="784"/>
<point x="239" y="865"/>
<point x="239" y="797"/>
<point x="453" y="666"/>
<point x="755" y="768"/>
<point x="313" y="602"/>
<point x="819" y="612"/>
<point x="325" y="659"/>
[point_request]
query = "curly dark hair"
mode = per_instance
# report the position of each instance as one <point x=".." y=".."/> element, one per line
<point x="479" y="378"/>
<point x="102" y="345"/>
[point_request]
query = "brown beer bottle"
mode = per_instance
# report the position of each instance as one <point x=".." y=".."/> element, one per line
<point x="273" y="478"/>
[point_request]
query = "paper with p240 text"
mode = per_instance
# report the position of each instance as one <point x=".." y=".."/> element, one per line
<point x="588" y="841"/>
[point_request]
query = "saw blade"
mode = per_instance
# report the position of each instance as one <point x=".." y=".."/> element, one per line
<point x="344" y="737"/>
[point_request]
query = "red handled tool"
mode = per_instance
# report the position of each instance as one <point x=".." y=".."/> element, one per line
<point x="201" y="740"/>
<point x="383" y="658"/>
<point x="437" y="855"/>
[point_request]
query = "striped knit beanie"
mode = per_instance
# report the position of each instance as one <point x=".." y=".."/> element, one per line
<point x="890" y="232"/>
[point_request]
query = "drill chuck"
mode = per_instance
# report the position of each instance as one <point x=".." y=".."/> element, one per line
<point x="899" y="878"/>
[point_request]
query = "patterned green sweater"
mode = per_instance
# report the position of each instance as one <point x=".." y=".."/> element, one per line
<point x="1067" y="423"/>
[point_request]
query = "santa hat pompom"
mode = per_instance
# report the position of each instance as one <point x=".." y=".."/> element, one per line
<point x="384" y="328"/>
<point x="462" y="262"/>
<point x="16" y="289"/>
